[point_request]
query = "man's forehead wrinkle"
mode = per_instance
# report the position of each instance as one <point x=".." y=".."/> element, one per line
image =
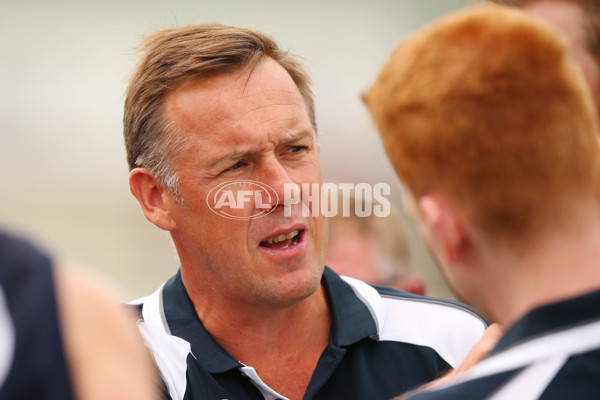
<point x="292" y="98"/>
<point x="265" y="107"/>
<point x="270" y="91"/>
<point x="292" y="120"/>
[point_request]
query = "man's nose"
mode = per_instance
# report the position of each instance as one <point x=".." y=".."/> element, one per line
<point x="276" y="176"/>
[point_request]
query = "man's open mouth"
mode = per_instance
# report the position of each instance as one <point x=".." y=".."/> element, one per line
<point x="283" y="241"/>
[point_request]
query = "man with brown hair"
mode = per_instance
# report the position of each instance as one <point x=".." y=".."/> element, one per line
<point x="490" y="125"/>
<point x="253" y="314"/>
<point x="579" y="22"/>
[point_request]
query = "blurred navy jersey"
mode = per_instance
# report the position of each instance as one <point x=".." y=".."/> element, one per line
<point x="32" y="360"/>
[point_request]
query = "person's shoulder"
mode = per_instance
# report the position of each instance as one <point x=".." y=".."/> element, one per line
<point x="13" y="241"/>
<point x="21" y="257"/>
<point x="448" y="327"/>
<point x="104" y="350"/>
<point x="430" y="306"/>
<point x="415" y="308"/>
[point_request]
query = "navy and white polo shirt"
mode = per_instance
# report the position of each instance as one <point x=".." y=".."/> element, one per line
<point x="32" y="360"/>
<point x="382" y="343"/>
<point x="551" y="353"/>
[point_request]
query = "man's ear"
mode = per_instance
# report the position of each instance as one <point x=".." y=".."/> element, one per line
<point x="446" y="225"/>
<point x="153" y="198"/>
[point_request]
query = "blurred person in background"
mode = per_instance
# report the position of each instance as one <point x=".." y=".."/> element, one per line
<point x="579" y="22"/>
<point x="252" y="312"/>
<point x="490" y="125"/>
<point x="373" y="249"/>
<point x="62" y="336"/>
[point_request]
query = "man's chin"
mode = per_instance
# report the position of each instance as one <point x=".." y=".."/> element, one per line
<point x="293" y="288"/>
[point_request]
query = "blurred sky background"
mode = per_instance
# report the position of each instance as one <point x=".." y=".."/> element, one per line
<point x="63" y="72"/>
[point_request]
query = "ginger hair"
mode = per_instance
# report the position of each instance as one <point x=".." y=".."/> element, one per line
<point x="486" y="106"/>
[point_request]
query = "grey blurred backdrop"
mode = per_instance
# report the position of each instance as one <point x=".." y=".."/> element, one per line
<point x="63" y="71"/>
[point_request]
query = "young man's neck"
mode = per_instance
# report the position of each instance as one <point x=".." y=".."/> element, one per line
<point x="564" y="264"/>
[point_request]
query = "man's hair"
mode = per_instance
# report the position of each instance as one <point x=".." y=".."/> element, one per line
<point x="591" y="20"/>
<point x="174" y="55"/>
<point x="486" y="106"/>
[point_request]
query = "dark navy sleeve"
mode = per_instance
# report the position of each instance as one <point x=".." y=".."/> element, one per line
<point x="38" y="370"/>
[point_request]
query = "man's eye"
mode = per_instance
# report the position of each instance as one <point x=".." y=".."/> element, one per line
<point x="235" y="166"/>
<point x="296" y="149"/>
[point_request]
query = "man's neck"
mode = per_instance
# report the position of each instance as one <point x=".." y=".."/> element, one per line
<point x="562" y="266"/>
<point x="282" y="344"/>
<point x="269" y="328"/>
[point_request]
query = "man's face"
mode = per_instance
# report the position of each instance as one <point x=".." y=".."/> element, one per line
<point x="568" y="20"/>
<point x="246" y="127"/>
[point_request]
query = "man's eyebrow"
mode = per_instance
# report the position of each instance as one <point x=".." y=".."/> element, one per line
<point x="297" y="136"/>
<point x="234" y="156"/>
<point x="229" y="157"/>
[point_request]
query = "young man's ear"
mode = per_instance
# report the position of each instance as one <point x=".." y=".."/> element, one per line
<point x="445" y="225"/>
<point x="153" y="198"/>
